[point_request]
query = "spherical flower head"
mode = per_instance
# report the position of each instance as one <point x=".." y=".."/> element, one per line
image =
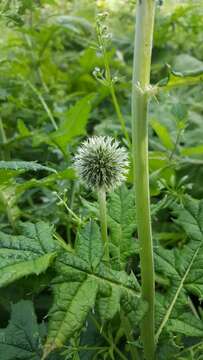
<point x="101" y="163"/>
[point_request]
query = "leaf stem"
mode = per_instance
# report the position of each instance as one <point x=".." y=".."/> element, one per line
<point x="119" y="114"/>
<point x="71" y="203"/>
<point x="193" y="347"/>
<point x="113" y="95"/>
<point x="129" y="336"/>
<point x="71" y="212"/>
<point x="116" y="349"/>
<point x="44" y="104"/>
<point x="103" y="221"/>
<point x="140" y="98"/>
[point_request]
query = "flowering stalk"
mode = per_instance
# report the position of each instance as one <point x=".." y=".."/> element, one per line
<point x="103" y="221"/>
<point x="102" y="165"/>
<point x="140" y="95"/>
<point x="104" y="36"/>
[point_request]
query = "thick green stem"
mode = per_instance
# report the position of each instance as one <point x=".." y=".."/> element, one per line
<point x="103" y="221"/>
<point x="140" y="95"/>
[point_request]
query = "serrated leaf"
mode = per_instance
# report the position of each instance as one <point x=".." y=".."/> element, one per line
<point x="23" y="166"/>
<point x="21" y="339"/>
<point x="133" y="310"/>
<point x="186" y="324"/>
<point x="89" y="245"/>
<point x="68" y="174"/>
<point x="29" y="253"/>
<point x="108" y="306"/>
<point x="121" y="221"/>
<point x="72" y="303"/>
<point x="184" y="267"/>
<point x="12" y="169"/>
<point x="80" y="281"/>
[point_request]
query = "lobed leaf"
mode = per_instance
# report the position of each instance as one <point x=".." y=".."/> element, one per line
<point x="72" y="303"/>
<point x="84" y="281"/>
<point x="21" y="339"/>
<point x="184" y="269"/>
<point x="29" y="253"/>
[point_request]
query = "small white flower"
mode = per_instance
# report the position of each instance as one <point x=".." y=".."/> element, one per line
<point x="101" y="163"/>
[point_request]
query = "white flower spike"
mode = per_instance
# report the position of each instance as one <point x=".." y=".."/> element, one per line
<point x="101" y="163"/>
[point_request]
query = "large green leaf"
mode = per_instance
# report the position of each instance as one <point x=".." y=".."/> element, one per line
<point x="23" y="166"/>
<point x="29" y="253"/>
<point x="184" y="269"/>
<point x="68" y="174"/>
<point x="21" y="339"/>
<point x="74" y="123"/>
<point x="84" y="279"/>
<point x="11" y="169"/>
<point x="11" y="190"/>
<point x="186" y="324"/>
<point x="72" y="303"/>
<point x="108" y="306"/>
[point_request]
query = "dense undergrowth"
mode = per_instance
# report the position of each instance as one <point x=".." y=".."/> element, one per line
<point x="61" y="81"/>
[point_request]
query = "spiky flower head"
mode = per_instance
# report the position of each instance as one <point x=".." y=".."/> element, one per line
<point x="101" y="163"/>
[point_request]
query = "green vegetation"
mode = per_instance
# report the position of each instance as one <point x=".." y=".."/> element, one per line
<point x="108" y="272"/>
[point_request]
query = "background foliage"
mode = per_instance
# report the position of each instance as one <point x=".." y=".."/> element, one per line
<point x="50" y="99"/>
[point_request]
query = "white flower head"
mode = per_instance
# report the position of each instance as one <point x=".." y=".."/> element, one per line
<point x="101" y="163"/>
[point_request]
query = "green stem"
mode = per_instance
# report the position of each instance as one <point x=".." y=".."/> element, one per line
<point x="103" y="221"/>
<point x="3" y="139"/>
<point x="44" y="104"/>
<point x="113" y="95"/>
<point x="72" y="198"/>
<point x="116" y="349"/>
<point x="73" y="215"/>
<point x="140" y="96"/>
<point x="119" y="114"/>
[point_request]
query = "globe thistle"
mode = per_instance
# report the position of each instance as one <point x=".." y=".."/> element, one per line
<point x="101" y="163"/>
